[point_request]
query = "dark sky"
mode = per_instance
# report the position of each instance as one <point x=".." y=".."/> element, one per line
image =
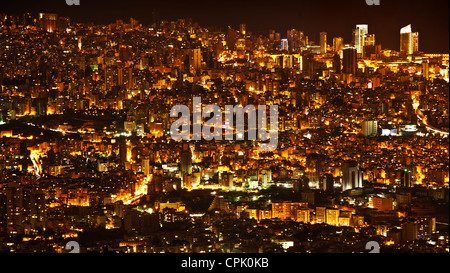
<point x="428" y="17"/>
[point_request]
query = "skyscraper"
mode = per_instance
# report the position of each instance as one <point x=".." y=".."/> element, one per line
<point x="349" y="61"/>
<point x="409" y="41"/>
<point x="338" y="44"/>
<point x="337" y="63"/>
<point x="231" y="38"/>
<point x="284" y="44"/>
<point x="359" y="37"/>
<point x="14" y="208"/>
<point x="323" y="42"/>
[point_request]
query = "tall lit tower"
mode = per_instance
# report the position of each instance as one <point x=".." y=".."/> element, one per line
<point x="349" y="60"/>
<point x="338" y="44"/>
<point x="284" y="44"/>
<point x="323" y="42"/>
<point x="409" y="41"/>
<point x="359" y="37"/>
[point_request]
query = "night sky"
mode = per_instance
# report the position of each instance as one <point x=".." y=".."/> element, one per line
<point x="428" y="17"/>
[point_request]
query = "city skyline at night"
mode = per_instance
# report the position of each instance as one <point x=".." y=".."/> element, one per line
<point x="335" y="17"/>
<point x="237" y="127"/>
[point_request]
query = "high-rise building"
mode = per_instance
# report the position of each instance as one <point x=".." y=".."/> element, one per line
<point x="186" y="159"/>
<point x="370" y="127"/>
<point x="231" y="38"/>
<point x="425" y="69"/>
<point x="338" y="44"/>
<point x="426" y="226"/>
<point x="369" y="40"/>
<point x="38" y="210"/>
<point x="349" y="60"/>
<point x="3" y="215"/>
<point x="294" y="39"/>
<point x="359" y="37"/>
<point x="195" y="59"/>
<point x="146" y="166"/>
<point x="323" y="42"/>
<point x="407" y="176"/>
<point x="409" y="41"/>
<point x="14" y="208"/>
<point x="284" y="44"/>
<point x="313" y="169"/>
<point x="337" y="63"/>
<point x="351" y="175"/>
<point x="123" y="150"/>
<point x="266" y="177"/>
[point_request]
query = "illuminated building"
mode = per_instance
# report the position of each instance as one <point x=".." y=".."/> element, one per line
<point x="349" y="60"/>
<point x="359" y="35"/>
<point x="195" y="59"/>
<point x="287" y="210"/>
<point x="3" y="214"/>
<point x="332" y="217"/>
<point x="409" y="41"/>
<point x="382" y="204"/>
<point x="338" y="44"/>
<point x="369" y="40"/>
<point x="303" y="215"/>
<point x="426" y="226"/>
<point x="295" y="39"/>
<point x="14" y="208"/>
<point x="146" y="166"/>
<point x="426" y="69"/>
<point x="352" y="175"/>
<point x="407" y="178"/>
<point x="38" y="211"/>
<point x="370" y="128"/>
<point x="284" y="45"/>
<point x="266" y="177"/>
<point x="321" y="215"/>
<point x="323" y="42"/>
<point x="48" y="21"/>
<point x="313" y="166"/>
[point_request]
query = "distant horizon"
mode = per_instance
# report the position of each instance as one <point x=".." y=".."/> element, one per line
<point x="338" y="19"/>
